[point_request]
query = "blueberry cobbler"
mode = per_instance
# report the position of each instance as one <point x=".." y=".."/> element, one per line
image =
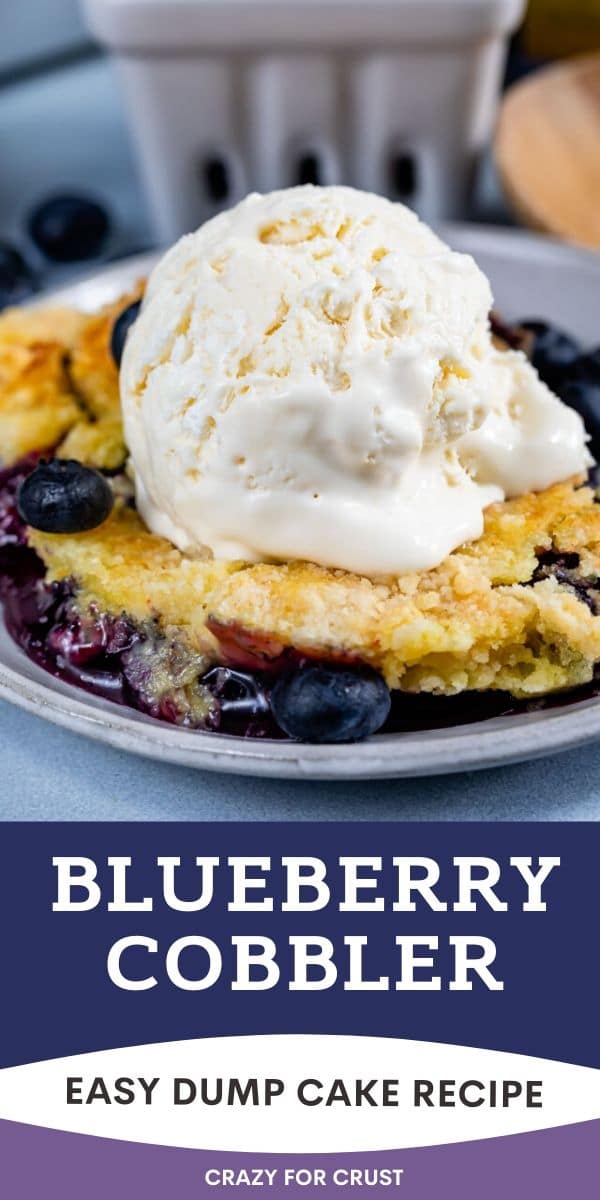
<point x="301" y="484"/>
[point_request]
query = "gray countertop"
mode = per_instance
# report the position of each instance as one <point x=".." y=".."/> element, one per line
<point x="50" y="774"/>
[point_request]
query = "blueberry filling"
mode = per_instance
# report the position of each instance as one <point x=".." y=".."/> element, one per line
<point x="565" y="569"/>
<point x="166" y="679"/>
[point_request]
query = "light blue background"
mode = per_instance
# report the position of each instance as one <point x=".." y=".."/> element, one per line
<point x="49" y="774"/>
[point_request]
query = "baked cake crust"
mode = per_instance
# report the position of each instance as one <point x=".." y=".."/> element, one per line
<point x="504" y="612"/>
<point x="516" y="610"/>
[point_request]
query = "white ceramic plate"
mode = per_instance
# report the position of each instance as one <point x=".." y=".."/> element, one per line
<point x="530" y="277"/>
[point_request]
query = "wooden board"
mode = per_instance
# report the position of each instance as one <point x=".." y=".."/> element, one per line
<point x="547" y="149"/>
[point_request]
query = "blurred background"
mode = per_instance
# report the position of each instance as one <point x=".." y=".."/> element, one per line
<point x="125" y="122"/>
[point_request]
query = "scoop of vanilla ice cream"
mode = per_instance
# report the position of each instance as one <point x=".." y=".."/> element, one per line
<point x="312" y="376"/>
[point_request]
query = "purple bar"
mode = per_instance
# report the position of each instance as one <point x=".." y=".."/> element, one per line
<point x="556" y="1164"/>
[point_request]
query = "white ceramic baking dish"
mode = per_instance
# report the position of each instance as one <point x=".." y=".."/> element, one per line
<point x="230" y="96"/>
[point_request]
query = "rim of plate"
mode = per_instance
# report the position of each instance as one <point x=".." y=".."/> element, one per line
<point x="500" y="740"/>
<point x="497" y="741"/>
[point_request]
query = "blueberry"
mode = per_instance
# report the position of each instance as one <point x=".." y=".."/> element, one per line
<point x="587" y="366"/>
<point x="584" y="397"/>
<point x="62" y="496"/>
<point x="16" y="279"/>
<point x="121" y="328"/>
<point x="330" y="704"/>
<point x="554" y="352"/>
<point x="69" y="228"/>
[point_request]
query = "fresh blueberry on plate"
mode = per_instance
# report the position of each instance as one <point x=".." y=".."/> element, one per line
<point x="330" y="704"/>
<point x="121" y="328"/>
<point x="63" y="496"/>
<point x="554" y="352"/>
<point x="69" y="228"/>
<point x="16" y="280"/>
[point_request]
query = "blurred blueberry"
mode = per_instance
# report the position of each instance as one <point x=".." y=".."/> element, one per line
<point x="16" y="279"/>
<point x="69" y="228"/>
<point x="121" y="328"/>
<point x="584" y="396"/>
<point x="587" y="366"/>
<point x="64" y="496"/>
<point x="553" y="353"/>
